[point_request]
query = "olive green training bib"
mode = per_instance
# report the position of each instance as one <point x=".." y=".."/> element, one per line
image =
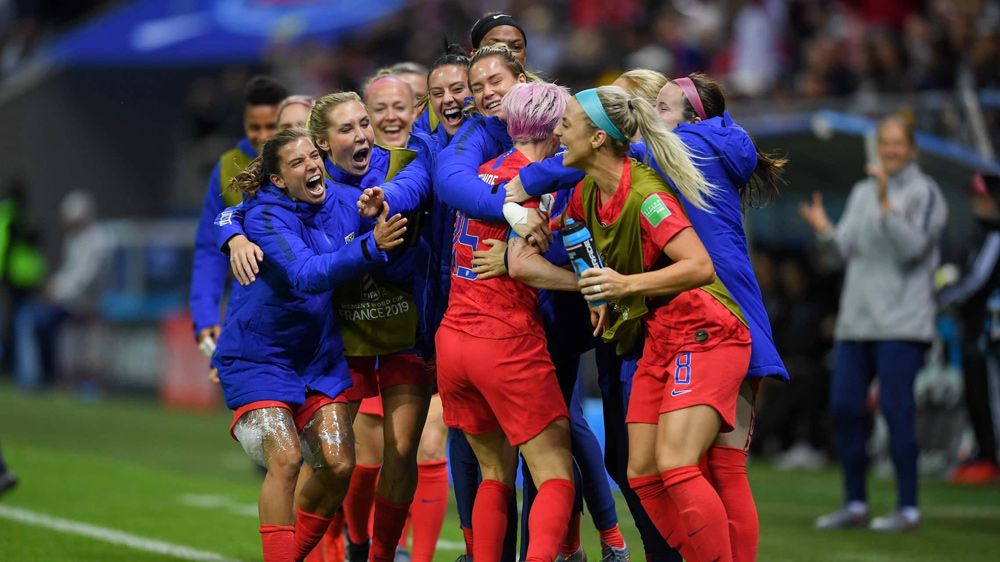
<point x="232" y="162"/>
<point x="620" y="247"/>
<point x="378" y="317"/>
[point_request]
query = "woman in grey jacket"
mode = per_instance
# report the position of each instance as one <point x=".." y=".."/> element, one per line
<point x="888" y="239"/>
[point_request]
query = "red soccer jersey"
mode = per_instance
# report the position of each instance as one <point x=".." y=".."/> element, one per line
<point x="659" y="225"/>
<point x="496" y="308"/>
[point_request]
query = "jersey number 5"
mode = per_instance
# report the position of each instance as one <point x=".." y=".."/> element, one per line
<point x="463" y="238"/>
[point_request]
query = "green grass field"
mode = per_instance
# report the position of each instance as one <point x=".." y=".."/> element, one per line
<point x="130" y="466"/>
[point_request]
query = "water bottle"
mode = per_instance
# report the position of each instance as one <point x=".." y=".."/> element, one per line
<point x="582" y="252"/>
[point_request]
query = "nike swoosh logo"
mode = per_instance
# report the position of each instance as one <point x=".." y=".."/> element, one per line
<point x="675" y="392"/>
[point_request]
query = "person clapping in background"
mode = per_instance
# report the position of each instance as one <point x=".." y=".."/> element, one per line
<point x="888" y="239"/>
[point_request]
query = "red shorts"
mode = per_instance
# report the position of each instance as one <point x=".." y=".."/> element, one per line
<point x="507" y="384"/>
<point x="372" y="406"/>
<point x="370" y="374"/>
<point x="301" y="414"/>
<point x="699" y="357"/>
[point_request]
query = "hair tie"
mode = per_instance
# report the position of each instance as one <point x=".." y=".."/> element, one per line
<point x="594" y="109"/>
<point x="630" y="106"/>
<point x="691" y="93"/>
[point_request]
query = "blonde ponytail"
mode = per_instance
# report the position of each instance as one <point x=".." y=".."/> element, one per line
<point x="633" y="114"/>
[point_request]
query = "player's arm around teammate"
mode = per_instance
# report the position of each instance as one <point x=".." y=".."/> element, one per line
<point x="280" y="358"/>
<point x="696" y="350"/>
<point x="495" y="375"/>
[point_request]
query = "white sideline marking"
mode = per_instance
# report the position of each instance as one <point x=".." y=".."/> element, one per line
<point x="214" y="501"/>
<point x="112" y="536"/>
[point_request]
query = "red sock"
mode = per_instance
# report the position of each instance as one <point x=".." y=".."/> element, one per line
<point x="729" y="473"/>
<point x="430" y="505"/>
<point x="549" y="519"/>
<point x="331" y="547"/>
<point x="613" y="537"/>
<point x="406" y="527"/>
<point x="389" y="520"/>
<point x="467" y="535"/>
<point x="309" y="529"/>
<point x="358" y="502"/>
<point x="662" y="511"/>
<point x="278" y="542"/>
<point x="571" y="543"/>
<point x="489" y="519"/>
<point x="701" y="511"/>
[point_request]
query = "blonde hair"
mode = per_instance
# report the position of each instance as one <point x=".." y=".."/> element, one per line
<point x="319" y="120"/>
<point x="633" y="114"/>
<point x="644" y="83"/>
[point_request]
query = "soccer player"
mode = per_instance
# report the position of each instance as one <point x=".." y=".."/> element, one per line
<point x="697" y="345"/>
<point x="497" y="71"/>
<point x="280" y="358"/>
<point x="494" y="72"/>
<point x="744" y="176"/>
<point x="208" y="276"/>
<point x="496" y="379"/>
<point x="387" y="99"/>
<point x="380" y="321"/>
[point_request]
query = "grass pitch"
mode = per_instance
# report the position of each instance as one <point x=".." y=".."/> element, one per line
<point x="153" y="484"/>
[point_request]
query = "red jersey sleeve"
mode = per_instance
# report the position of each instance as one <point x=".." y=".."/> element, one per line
<point x="662" y="217"/>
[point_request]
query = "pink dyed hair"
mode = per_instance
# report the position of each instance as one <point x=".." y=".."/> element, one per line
<point x="533" y="110"/>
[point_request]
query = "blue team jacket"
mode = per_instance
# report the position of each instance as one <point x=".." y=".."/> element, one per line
<point x="408" y="265"/>
<point x="416" y="192"/>
<point x="726" y="155"/>
<point x="280" y="337"/>
<point x="211" y="269"/>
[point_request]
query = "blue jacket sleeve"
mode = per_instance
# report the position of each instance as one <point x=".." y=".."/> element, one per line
<point x="229" y="223"/>
<point x="211" y="269"/>
<point x="549" y="176"/>
<point x="456" y="177"/>
<point x="411" y="188"/>
<point x="299" y="265"/>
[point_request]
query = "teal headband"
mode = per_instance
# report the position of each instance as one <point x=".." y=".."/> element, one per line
<point x="595" y="110"/>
